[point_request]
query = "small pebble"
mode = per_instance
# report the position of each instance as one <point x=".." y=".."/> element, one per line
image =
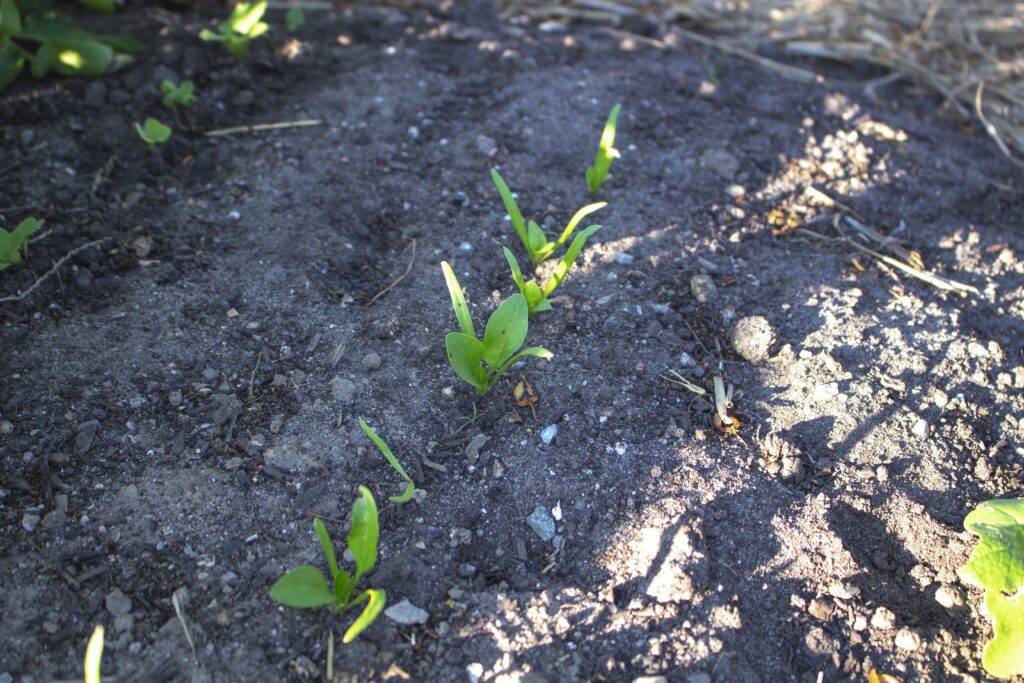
<point x="406" y="613"/>
<point x="542" y="523"/>
<point x="371" y="361"/>
<point x="949" y="596"/>
<point x="821" y="609"/>
<point x="474" y="671"/>
<point x="883" y="618"/>
<point x="920" y="429"/>
<point x="175" y="397"/>
<point x="548" y="434"/>
<point x="843" y="591"/>
<point x="486" y="145"/>
<point x="753" y="337"/>
<point x="342" y="389"/>
<point x="29" y="522"/>
<point x="466" y="246"/>
<point x="118" y="603"/>
<point x="623" y="258"/>
<point x="907" y="639"/>
<point x="6" y="427"/>
<point x="686" y="360"/>
<point x="703" y="288"/>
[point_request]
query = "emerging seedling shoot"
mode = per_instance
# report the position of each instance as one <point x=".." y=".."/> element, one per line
<point x="153" y="133"/>
<point x="306" y="586"/>
<point x="410" y="487"/>
<point x="482" y="363"/>
<point x="14" y="245"/>
<point x="239" y="28"/>
<point x="533" y="238"/>
<point x="598" y="173"/>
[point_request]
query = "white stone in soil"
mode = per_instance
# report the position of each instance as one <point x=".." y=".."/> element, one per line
<point x="406" y="613"/>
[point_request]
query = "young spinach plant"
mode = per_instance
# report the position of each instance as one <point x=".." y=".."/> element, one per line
<point x="535" y="295"/>
<point x="14" y="245"/>
<point x="178" y="95"/>
<point x="598" y="173"/>
<point x="241" y="26"/>
<point x="410" y="487"/>
<point x="482" y="363"/>
<point x="153" y="133"/>
<point x="294" y="18"/>
<point x="306" y="586"/>
<point x="997" y="566"/>
<point x="50" y="41"/>
<point x="533" y="238"/>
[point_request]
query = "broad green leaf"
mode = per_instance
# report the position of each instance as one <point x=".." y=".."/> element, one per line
<point x="10" y="18"/>
<point x="362" y="538"/>
<point x="245" y="17"/>
<point x="458" y="301"/>
<point x="52" y="26"/>
<point x="579" y="216"/>
<point x="997" y="562"/>
<point x="390" y="457"/>
<point x="506" y="330"/>
<point x="101" y="6"/>
<point x="12" y="61"/>
<point x="1004" y="654"/>
<point x="325" y="543"/>
<point x="44" y="60"/>
<point x="85" y="58"/>
<point x="302" y="587"/>
<point x="562" y="269"/>
<point x="511" y="207"/>
<point x="121" y="43"/>
<point x="465" y="353"/>
<point x="375" y="604"/>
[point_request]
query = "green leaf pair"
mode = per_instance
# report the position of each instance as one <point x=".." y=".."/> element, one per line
<point x="482" y="363"/>
<point x="598" y="173"/>
<point x="535" y="295"/>
<point x="178" y="95"/>
<point x="533" y="238"/>
<point x="61" y="46"/>
<point x="14" y="245"/>
<point x="410" y="487"/>
<point x="306" y="586"/>
<point x="239" y="28"/>
<point x="153" y="133"/>
<point x="997" y="566"/>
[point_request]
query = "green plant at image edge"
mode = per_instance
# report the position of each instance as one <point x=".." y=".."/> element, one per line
<point x="14" y="245"/>
<point x="410" y="487"/>
<point x="51" y="42"/>
<point x="306" y="586"/>
<point x="241" y="26"/>
<point x="997" y="566"/>
<point x="598" y="173"/>
<point x="482" y="363"/>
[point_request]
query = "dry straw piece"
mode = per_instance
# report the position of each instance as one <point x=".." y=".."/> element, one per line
<point x="971" y="52"/>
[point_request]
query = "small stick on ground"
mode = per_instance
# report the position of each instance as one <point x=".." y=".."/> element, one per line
<point x="260" y="127"/>
<point x="51" y="271"/>
<point x="401" y="277"/>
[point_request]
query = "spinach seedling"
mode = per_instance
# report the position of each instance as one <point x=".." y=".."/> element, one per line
<point x="294" y="19"/>
<point x="175" y="95"/>
<point x="410" y="487"/>
<point x="94" y="656"/>
<point x="241" y="26"/>
<point x="306" y="586"/>
<point x="14" y="245"/>
<point x="535" y="295"/>
<point x="482" y="363"/>
<point x="598" y="173"/>
<point x="997" y="566"/>
<point x="533" y="238"/>
<point x="153" y="133"/>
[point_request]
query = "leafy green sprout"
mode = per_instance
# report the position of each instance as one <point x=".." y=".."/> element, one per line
<point x="410" y="487"/>
<point x="997" y="566"/>
<point x="482" y="363"/>
<point x="598" y="173"/>
<point x="51" y="42"/>
<point x="533" y="238"/>
<point x="306" y="586"/>
<point x="14" y="245"/>
<point x="535" y="295"/>
<point x="294" y="19"/>
<point x="178" y="95"/>
<point x="241" y="26"/>
<point x="153" y="133"/>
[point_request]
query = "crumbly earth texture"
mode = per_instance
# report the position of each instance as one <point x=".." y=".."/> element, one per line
<point x="181" y="398"/>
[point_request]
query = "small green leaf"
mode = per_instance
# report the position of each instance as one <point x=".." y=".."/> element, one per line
<point x="10" y="18"/>
<point x="517" y="273"/>
<point x="375" y="604"/>
<point x="598" y="173"/>
<point x="579" y="216"/>
<point x="12" y="61"/>
<point x="14" y="244"/>
<point x="245" y="18"/>
<point x="1004" y="654"/>
<point x="302" y="587"/>
<point x="506" y="330"/>
<point x="511" y="207"/>
<point x="390" y="457"/>
<point x="562" y="269"/>
<point x="997" y="562"/>
<point x="325" y="543"/>
<point x="362" y="538"/>
<point x="465" y="354"/>
<point x="458" y="300"/>
<point x="294" y="18"/>
<point x="536" y="241"/>
<point x="536" y="300"/>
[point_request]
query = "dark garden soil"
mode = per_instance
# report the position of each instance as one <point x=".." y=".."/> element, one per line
<point x="180" y="399"/>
